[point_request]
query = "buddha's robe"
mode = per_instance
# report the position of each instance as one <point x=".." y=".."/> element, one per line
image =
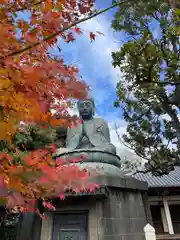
<point x="91" y="134"/>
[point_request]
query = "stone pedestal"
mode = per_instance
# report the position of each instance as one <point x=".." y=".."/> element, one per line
<point x="115" y="212"/>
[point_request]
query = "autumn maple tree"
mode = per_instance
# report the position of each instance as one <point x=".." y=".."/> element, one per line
<point x="33" y="83"/>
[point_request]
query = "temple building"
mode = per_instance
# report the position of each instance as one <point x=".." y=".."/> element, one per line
<point x="164" y="203"/>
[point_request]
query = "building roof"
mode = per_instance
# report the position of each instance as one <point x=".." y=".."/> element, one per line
<point x="170" y="180"/>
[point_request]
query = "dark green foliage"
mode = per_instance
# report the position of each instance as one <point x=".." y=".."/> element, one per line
<point x="33" y="137"/>
<point x="149" y="91"/>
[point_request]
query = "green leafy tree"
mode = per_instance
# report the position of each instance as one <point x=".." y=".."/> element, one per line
<point x="149" y="90"/>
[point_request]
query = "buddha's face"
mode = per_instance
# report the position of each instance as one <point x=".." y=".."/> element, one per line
<point x="86" y="109"/>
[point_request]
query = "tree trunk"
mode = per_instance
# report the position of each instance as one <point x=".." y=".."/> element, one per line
<point x="161" y="95"/>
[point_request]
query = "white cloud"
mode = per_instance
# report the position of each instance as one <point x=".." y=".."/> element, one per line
<point x="165" y="117"/>
<point x="119" y="125"/>
<point x="102" y="47"/>
<point x="93" y="58"/>
<point x="73" y="111"/>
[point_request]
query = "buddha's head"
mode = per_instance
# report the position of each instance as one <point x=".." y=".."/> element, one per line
<point x="86" y="108"/>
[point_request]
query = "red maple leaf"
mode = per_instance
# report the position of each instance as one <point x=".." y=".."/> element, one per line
<point x="70" y="37"/>
<point x="48" y="205"/>
<point x="78" y="30"/>
<point x="92" y="36"/>
<point x="61" y="196"/>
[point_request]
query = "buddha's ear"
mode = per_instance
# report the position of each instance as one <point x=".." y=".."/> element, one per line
<point x="93" y="111"/>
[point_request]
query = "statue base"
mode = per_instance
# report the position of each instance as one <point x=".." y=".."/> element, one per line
<point x="117" y="210"/>
<point x="102" y="169"/>
<point x="93" y="157"/>
<point x="97" y="161"/>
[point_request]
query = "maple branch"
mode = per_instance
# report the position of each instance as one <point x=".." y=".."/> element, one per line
<point x="63" y="30"/>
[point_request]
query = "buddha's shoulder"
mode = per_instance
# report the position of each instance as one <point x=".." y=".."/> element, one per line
<point x="100" y="120"/>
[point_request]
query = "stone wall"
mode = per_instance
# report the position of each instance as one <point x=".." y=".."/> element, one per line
<point x="118" y="216"/>
<point x="94" y="219"/>
<point x="117" y="211"/>
<point x="124" y="216"/>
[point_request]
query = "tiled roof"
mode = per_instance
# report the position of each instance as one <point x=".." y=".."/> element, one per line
<point x="170" y="180"/>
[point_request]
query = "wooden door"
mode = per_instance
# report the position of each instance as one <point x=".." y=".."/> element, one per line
<point x="70" y="227"/>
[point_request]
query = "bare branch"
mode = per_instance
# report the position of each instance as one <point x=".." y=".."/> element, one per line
<point x="126" y="145"/>
<point x="142" y="171"/>
<point x="166" y="83"/>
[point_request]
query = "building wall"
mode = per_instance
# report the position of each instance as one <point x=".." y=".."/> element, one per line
<point x="166" y="215"/>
